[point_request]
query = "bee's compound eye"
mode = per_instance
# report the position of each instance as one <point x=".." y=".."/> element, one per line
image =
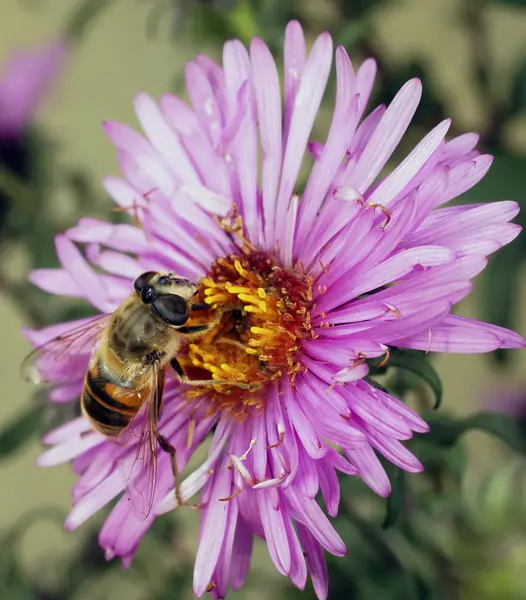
<point x="148" y="294"/>
<point x="172" y="309"/>
<point x="143" y="280"/>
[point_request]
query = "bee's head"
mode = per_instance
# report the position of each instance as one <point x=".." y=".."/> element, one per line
<point x="167" y="294"/>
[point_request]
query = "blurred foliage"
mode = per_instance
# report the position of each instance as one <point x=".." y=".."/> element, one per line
<point x="440" y="535"/>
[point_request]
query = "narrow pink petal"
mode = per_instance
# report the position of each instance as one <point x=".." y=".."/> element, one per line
<point x="298" y="566"/>
<point x="265" y="80"/>
<point x="461" y="335"/>
<point x="164" y="139"/>
<point x="114" y="262"/>
<point x="128" y="139"/>
<point x="123" y="237"/>
<point x="56" y="281"/>
<point x="236" y="63"/>
<point x="224" y="565"/>
<point x="307" y="480"/>
<point x="316" y="562"/>
<point x="286" y="245"/>
<point x="343" y="125"/>
<point x="386" y="136"/>
<point x="306" y="105"/>
<point x="444" y="222"/>
<point x="370" y="469"/>
<point x="241" y="554"/>
<point x="275" y="533"/>
<point x="301" y="424"/>
<point x="394" y="405"/>
<point x="259" y="451"/>
<point x="213" y="526"/>
<point x="244" y="153"/>
<point x="204" y="102"/>
<point x="308" y="512"/>
<point x="210" y="166"/>
<point x="95" y="500"/>
<point x="64" y="433"/>
<point x="295" y="59"/>
<point x="81" y="273"/>
<point x="330" y="488"/>
<point x="364" y="83"/>
<point x="459" y="146"/>
<point x="463" y="177"/>
<point x="395" y="452"/>
<point x="365" y="132"/>
<point x="396" y="181"/>
<point x="393" y="268"/>
<point x="216" y="76"/>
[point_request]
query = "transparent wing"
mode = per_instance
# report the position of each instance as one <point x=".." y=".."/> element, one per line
<point x="140" y="465"/>
<point x="63" y="357"/>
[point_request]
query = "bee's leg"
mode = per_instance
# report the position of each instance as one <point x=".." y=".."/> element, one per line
<point x="166" y="446"/>
<point x="169" y="449"/>
<point x="195" y="307"/>
<point x="208" y="382"/>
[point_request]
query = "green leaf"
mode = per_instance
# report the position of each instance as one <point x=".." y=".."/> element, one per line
<point x="15" y="434"/>
<point x="445" y="430"/>
<point x="396" y="500"/>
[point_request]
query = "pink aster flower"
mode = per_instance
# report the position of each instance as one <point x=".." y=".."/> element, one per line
<point x="25" y="82"/>
<point x="327" y="278"/>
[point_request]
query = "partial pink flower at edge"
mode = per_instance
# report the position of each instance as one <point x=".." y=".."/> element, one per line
<point x="26" y="79"/>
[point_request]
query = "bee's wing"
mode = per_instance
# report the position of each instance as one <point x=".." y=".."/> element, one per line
<point x="59" y="359"/>
<point x="140" y="469"/>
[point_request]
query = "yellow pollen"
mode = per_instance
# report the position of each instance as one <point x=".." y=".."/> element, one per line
<point x="254" y="309"/>
<point x="262" y="330"/>
<point x="264" y="318"/>
<point x="216" y="298"/>
<point x="249" y="298"/>
<point x="237" y="289"/>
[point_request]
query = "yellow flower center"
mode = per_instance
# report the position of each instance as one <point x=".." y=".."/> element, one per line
<point x="265" y="317"/>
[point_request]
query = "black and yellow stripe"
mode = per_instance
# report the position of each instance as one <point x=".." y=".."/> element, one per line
<point x="110" y="415"/>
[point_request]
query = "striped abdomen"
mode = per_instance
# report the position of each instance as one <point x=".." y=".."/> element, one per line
<point x="109" y="405"/>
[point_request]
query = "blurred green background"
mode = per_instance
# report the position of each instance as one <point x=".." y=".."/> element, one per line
<point x="467" y="540"/>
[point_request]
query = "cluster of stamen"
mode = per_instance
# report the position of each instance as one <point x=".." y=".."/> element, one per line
<point x="265" y="316"/>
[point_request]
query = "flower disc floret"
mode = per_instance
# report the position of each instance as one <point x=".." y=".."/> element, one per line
<point x="266" y="315"/>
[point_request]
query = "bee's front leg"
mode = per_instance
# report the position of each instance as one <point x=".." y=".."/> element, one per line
<point x="176" y="366"/>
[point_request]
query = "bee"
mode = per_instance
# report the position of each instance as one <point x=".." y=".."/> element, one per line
<point x="130" y="350"/>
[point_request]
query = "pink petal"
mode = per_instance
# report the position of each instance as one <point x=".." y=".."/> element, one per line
<point x="295" y="59"/>
<point x="315" y="561"/>
<point x="370" y="469"/>
<point x="241" y="554"/>
<point x="306" y="105"/>
<point x="275" y="533"/>
<point x="164" y="139"/>
<point x="407" y="169"/>
<point x="386" y="136"/>
<point x="81" y="273"/>
<point x="268" y="102"/>
<point x="213" y="526"/>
